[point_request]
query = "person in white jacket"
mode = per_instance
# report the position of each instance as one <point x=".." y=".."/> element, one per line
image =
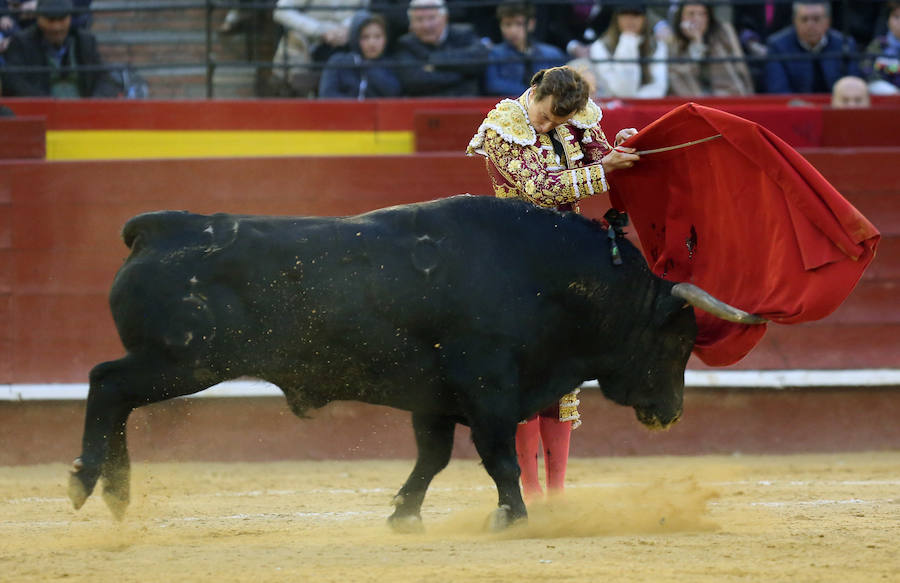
<point x="617" y="56"/>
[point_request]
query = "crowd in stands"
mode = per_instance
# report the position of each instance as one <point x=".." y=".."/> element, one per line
<point x="360" y="49"/>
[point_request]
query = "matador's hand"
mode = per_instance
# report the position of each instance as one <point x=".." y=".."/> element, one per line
<point x="620" y="158"/>
<point x="624" y="134"/>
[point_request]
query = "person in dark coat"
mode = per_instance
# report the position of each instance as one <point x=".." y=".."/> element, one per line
<point x="362" y="72"/>
<point x="53" y="45"/>
<point x="436" y="58"/>
<point x="809" y="56"/>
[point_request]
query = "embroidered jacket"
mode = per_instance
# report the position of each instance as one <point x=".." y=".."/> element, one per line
<point x="523" y="163"/>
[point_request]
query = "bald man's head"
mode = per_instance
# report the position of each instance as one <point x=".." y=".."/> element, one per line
<point x="850" y="92"/>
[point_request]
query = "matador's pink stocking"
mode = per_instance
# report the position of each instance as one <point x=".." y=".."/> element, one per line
<point x="528" y="440"/>
<point x="555" y="436"/>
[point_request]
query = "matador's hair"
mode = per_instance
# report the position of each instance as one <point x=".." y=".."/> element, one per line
<point x="567" y="87"/>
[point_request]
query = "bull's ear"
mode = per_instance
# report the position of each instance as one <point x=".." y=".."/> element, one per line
<point x="667" y="307"/>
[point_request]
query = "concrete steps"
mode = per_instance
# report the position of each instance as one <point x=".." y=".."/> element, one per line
<point x="168" y="48"/>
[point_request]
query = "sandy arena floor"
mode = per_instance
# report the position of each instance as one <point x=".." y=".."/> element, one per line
<point x="694" y="519"/>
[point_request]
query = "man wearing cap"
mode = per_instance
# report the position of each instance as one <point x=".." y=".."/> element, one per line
<point x="52" y="49"/>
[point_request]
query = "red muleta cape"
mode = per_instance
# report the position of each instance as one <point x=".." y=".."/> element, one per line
<point x="746" y="218"/>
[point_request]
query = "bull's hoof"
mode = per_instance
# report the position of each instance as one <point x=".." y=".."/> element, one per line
<point x="80" y="484"/>
<point x="503" y="518"/>
<point x="406" y="524"/>
<point x="117" y="489"/>
<point x="116" y="502"/>
<point x="78" y="494"/>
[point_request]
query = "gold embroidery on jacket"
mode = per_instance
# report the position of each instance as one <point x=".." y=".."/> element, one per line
<point x="526" y="171"/>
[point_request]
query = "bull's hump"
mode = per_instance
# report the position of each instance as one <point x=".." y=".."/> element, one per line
<point x="182" y="230"/>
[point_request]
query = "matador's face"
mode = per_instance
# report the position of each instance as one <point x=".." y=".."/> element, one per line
<point x="541" y="116"/>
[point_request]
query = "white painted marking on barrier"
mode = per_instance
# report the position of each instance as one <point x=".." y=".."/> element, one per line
<point x="782" y="379"/>
<point x="765" y="379"/>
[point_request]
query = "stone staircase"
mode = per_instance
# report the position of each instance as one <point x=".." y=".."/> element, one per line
<point x="166" y="43"/>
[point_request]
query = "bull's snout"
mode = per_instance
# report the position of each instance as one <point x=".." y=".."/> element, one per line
<point x="653" y="419"/>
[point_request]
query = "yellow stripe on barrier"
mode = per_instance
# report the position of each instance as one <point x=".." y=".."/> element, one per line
<point x="138" y="144"/>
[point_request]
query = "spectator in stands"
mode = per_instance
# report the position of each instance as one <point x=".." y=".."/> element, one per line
<point x="52" y="44"/>
<point x="885" y="49"/>
<point x="662" y="16"/>
<point x="437" y="58"/>
<point x="514" y="61"/>
<point x="313" y="31"/>
<point x="547" y="148"/>
<point x="361" y="72"/>
<point x="809" y="56"/>
<point x="850" y="92"/>
<point x="712" y="60"/>
<point x="615" y="56"/>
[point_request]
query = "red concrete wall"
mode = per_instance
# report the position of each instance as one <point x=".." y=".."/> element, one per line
<point x="23" y="137"/>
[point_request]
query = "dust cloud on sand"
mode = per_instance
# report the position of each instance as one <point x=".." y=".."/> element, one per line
<point x="678" y="505"/>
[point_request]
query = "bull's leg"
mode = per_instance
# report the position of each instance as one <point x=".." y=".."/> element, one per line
<point x="434" y="440"/>
<point x="495" y="440"/>
<point x="116" y="471"/>
<point x="116" y="388"/>
<point x="104" y="408"/>
<point x="485" y="379"/>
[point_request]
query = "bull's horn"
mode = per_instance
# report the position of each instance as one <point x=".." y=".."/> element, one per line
<point x="706" y="302"/>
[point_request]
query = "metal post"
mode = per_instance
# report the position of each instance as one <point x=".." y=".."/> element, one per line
<point x="210" y="62"/>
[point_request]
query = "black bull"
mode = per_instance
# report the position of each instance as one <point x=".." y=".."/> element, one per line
<point x="468" y="310"/>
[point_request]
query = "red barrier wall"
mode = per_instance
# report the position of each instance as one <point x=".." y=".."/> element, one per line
<point x="60" y="245"/>
<point x="801" y="120"/>
<point x="23" y="137"/>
